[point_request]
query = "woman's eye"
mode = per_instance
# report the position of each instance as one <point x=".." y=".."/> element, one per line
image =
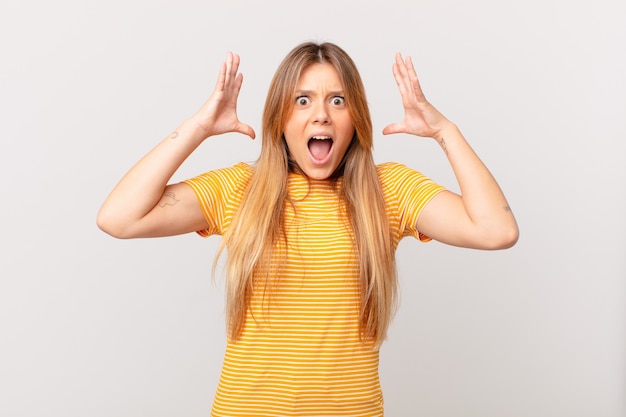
<point x="338" y="101"/>
<point x="302" y="100"/>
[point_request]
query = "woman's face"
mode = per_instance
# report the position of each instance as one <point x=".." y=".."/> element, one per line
<point x="319" y="129"/>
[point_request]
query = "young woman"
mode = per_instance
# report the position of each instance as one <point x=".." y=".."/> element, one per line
<point x="311" y="229"/>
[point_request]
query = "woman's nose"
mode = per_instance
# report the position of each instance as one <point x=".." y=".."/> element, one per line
<point x="321" y="114"/>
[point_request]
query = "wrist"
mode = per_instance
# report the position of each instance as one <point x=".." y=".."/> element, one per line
<point x="447" y="130"/>
<point x="448" y="134"/>
<point x="190" y="130"/>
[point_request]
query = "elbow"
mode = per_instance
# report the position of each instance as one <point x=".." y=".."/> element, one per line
<point x="510" y="239"/>
<point x="505" y="238"/>
<point x="109" y="225"/>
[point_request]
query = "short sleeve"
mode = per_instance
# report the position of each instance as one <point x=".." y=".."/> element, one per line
<point x="220" y="193"/>
<point x="406" y="193"/>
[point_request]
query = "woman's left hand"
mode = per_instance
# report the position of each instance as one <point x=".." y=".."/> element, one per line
<point x="420" y="117"/>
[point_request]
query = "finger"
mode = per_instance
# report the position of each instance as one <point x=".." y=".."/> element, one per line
<point x="393" y="128"/>
<point x="234" y="66"/>
<point x="415" y="84"/>
<point x="245" y="129"/>
<point x="231" y="91"/>
<point x="399" y="73"/>
<point x="237" y="84"/>
<point x="235" y="79"/>
<point x="402" y="68"/>
<point x="221" y="78"/>
<point x="229" y="68"/>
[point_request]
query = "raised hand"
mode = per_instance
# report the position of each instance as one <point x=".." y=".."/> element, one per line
<point x="219" y="113"/>
<point x="420" y="117"/>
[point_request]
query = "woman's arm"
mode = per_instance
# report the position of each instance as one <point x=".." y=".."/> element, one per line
<point x="480" y="216"/>
<point x="142" y="204"/>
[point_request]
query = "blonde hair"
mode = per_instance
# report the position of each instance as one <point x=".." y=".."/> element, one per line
<point x="255" y="232"/>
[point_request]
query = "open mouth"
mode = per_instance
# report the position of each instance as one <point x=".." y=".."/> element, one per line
<point x="320" y="147"/>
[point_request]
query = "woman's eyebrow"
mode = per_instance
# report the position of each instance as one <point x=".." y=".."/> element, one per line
<point x="313" y="93"/>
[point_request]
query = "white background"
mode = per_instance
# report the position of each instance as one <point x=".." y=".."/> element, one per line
<point x="94" y="326"/>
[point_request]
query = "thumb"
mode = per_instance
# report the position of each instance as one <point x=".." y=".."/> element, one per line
<point x="246" y="130"/>
<point x="393" y="128"/>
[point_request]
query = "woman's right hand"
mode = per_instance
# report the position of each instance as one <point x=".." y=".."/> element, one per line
<point x="142" y="204"/>
<point x="218" y="114"/>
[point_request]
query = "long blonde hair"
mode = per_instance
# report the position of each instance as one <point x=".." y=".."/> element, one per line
<point x="257" y="226"/>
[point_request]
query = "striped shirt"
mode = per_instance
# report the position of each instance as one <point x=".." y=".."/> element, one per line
<point x="299" y="353"/>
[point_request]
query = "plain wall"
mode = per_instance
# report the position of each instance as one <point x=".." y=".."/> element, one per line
<point x="94" y="326"/>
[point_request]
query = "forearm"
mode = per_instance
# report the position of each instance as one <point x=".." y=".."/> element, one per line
<point x="142" y="187"/>
<point x="483" y="200"/>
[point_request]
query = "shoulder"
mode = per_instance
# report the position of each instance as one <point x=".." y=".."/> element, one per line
<point x="386" y="167"/>
<point x="393" y="172"/>
<point x="222" y="181"/>
<point x="240" y="172"/>
<point x="405" y="182"/>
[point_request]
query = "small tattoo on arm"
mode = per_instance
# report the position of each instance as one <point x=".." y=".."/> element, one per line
<point x="174" y="135"/>
<point x="168" y="199"/>
<point x="442" y="142"/>
<point x="507" y="208"/>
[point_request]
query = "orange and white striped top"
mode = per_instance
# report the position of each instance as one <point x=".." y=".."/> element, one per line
<point x="300" y="353"/>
